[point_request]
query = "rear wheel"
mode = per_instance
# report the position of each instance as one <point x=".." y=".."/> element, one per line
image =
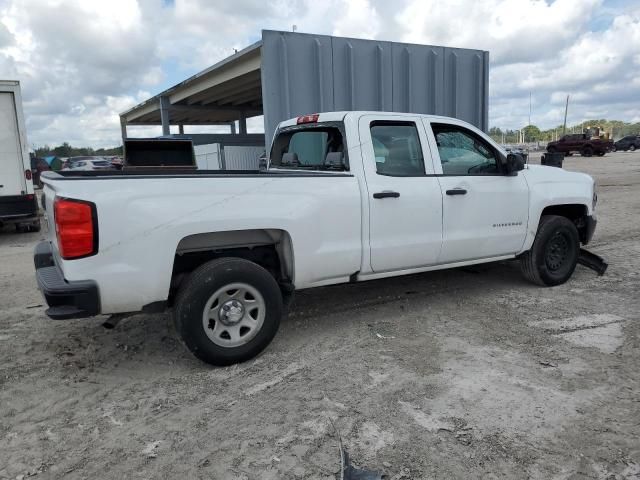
<point x="632" y="148"/>
<point x="587" y="152"/>
<point x="554" y="254"/>
<point x="228" y="311"/>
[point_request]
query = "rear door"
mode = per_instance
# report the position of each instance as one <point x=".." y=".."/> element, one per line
<point x="12" y="177"/>
<point x="485" y="212"/>
<point x="405" y="203"/>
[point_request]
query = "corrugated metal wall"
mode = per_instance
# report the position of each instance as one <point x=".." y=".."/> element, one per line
<point x="304" y="73"/>
<point x="212" y="157"/>
<point x="242" y="158"/>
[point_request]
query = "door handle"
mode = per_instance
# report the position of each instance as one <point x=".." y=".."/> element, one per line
<point x="386" y="194"/>
<point x="457" y="191"/>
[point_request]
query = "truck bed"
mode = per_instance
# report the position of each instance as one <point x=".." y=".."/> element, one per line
<point x="184" y="173"/>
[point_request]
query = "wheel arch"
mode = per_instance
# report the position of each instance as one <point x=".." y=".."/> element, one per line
<point x="269" y="248"/>
<point x="576" y="212"/>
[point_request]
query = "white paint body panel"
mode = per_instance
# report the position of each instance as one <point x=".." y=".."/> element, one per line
<point x="335" y="227"/>
<point x="14" y="151"/>
<point x="207" y="156"/>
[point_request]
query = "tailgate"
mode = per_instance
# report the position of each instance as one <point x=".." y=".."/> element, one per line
<point x="46" y="201"/>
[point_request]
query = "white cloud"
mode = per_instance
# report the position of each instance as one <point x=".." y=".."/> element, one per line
<point x="83" y="62"/>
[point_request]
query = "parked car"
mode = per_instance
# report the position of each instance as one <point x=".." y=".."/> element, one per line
<point x="630" y="142"/>
<point x="88" y="164"/>
<point x="116" y="163"/>
<point x="515" y="149"/>
<point x="346" y="197"/>
<point x="38" y="165"/>
<point x="580" y="143"/>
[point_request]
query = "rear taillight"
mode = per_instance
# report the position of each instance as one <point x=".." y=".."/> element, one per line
<point x="28" y="175"/>
<point x="76" y="228"/>
<point x="308" y="118"/>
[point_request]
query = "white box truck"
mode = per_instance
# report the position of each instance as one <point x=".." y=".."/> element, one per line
<point x="18" y="204"/>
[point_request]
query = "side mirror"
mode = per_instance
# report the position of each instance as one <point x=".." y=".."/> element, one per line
<point x="514" y="164"/>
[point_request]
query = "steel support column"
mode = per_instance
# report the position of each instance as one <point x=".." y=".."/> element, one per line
<point x="123" y="129"/>
<point x="164" y="115"/>
<point x="243" y="123"/>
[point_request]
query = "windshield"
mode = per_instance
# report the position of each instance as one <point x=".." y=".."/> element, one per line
<point x="312" y="148"/>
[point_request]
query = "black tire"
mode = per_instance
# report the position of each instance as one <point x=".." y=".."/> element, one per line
<point x="197" y="290"/>
<point x="632" y="148"/>
<point x="554" y="254"/>
<point x="614" y="149"/>
<point x="587" y="151"/>
<point x="601" y="154"/>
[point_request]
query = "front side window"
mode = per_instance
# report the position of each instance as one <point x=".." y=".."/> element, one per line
<point x="397" y="151"/>
<point x="464" y="153"/>
<point x="312" y="148"/>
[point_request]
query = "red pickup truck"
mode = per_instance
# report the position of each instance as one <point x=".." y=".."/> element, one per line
<point x="580" y="143"/>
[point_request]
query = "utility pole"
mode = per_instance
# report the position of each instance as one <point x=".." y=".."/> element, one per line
<point x="566" y="108"/>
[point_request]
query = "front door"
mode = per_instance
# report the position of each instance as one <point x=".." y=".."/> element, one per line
<point x="405" y="203"/>
<point x="485" y="212"/>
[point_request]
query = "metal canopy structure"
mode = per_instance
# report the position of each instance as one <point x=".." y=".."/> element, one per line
<point x="287" y="74"/>
<point x="228" y="91"/>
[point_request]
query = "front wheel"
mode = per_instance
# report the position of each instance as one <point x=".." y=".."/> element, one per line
<point x="228" y="311"/>
<point x="632" y="148"/>
<point x="587" y="151"/>
<point x="554" y="254"/>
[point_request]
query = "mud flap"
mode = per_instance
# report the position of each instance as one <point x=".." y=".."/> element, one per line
<point x="592" y="261"/>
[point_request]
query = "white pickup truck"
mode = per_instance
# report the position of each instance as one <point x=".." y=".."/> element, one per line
<point x="346" y="197"/>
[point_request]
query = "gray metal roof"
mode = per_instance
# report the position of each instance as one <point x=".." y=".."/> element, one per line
<point x="287" y="74"/>
<point x="216" y="95"/>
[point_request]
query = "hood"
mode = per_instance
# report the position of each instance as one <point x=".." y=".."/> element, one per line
<point x="545" y="174"/>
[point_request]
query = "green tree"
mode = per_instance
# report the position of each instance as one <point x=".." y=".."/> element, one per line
<point x="532" y="133"/>
<point x="64" y="150"/>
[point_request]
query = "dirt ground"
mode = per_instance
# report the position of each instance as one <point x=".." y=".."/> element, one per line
<point x="468" y="373"/>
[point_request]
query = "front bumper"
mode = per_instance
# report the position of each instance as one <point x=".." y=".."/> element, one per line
<point x="66" y="300"/>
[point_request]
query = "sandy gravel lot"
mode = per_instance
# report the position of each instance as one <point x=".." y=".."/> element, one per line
<point x="470" y="373"/>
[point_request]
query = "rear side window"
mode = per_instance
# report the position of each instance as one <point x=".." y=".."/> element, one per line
<point x="397" y="151"/>
<point x="311" y="148"/>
